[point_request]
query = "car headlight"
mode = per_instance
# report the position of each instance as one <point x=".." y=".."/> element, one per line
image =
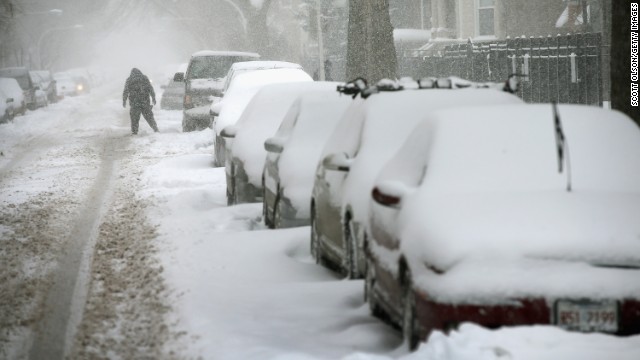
<point x="79" y="87"/>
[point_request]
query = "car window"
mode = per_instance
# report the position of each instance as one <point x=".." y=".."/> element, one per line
<point x="211" y="67"/>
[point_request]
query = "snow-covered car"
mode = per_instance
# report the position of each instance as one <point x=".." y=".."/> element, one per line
<point x="21" y="75"/>
<point x="66" y="86"/>
<point x="293" y="153"/>
<point x="227" y="111"/>
<point x="46" y="83"/>
<point x="371" y="130"/>
<point x="255" y="65"/>
<point x="6" y="108"/>
<point x="482" y="217"/>
<point x="173" y="92"/>
<point x="11" y="89"/>
<point x="203" y="81"/>
<point x="260" y="119"/>
<point x="40" y="97"/>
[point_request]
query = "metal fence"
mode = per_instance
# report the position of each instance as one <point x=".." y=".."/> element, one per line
<point x="563" y="68"/>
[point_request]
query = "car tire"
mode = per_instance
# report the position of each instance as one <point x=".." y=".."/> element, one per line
<point x="409" y="327"/>
<point x="314" y="246"/>
<point x="369" y="285"/>
<point x="350" y="267"/>
<point x="277" y="216"/>
<point x="231" y="188"/>
<point x="265" y="214"/>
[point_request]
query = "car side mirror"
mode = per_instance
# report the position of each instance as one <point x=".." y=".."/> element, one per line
<point x="229" y="131"/>
<point x="9" y="100"/>
<point x="274" y="145"/>
<point x="37" y="87"/>
<point x="389" y="193"/>
<point x="215" y="109"/>
<point x="337" y="162"/>
<point x="178" y="77"/>
<point x="163" y="87"/>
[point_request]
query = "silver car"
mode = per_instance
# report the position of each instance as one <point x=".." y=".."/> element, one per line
<point x="293" y="153"/>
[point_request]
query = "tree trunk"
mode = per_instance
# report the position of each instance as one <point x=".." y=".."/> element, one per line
<point x="371" y="53"/>
<point x="258" y="31"/>
<point x="621" y="62"/>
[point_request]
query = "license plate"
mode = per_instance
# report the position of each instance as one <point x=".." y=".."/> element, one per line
<point x="600" y="316"/>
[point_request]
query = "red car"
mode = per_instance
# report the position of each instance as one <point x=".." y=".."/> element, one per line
<point x="509" y="215"/>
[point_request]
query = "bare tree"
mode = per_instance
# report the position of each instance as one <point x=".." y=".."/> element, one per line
<point x="370" y="50"/>
<point x="621" y="62"/>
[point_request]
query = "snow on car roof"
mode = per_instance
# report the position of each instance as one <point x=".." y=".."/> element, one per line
<point x="261" y="119"/>
<point x="388" y="118"/>
<point x="245" y="86"/>
<point x="510" y="218"/>
<point x="261" y="64"/>
<point x="224" y="53"/>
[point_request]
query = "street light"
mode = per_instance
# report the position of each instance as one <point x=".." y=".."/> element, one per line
<point x="49" y="31"/>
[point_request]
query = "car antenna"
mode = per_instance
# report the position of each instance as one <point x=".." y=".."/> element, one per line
<point x="561" y="145"/>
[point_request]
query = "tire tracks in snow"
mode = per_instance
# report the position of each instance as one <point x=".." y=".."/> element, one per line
<point x="66" y="297"/>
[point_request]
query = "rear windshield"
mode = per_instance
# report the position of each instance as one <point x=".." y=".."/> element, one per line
<point x="212" y="67"/>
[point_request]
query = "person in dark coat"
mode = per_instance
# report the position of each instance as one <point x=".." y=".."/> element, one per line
<point x="138" y="90"/>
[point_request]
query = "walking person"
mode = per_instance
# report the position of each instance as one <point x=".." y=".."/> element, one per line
<point x="138" y="90"/>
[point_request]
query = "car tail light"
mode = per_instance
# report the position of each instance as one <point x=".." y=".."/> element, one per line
<point x="187" y="102"/>
<point x="385" y="199"/>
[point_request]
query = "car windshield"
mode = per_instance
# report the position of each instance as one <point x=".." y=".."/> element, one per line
<point x="211" y="67"/>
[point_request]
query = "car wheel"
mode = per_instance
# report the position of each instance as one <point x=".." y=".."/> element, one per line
<point x="369" y="284"/>
<point x="277" y="216"/>
<point x="409" y="328"/>
<point x="350" y="245"/>
<point x="267" y="223"/>
<point x="315" y="249"/>
<point x="231" y="187"/>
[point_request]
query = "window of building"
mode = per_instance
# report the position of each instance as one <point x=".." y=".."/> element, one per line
<point x="486" y="17"/>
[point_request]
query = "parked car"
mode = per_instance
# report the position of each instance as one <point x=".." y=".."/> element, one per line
<point x="6" y="108"/>
<point x="46" y="83"/>
<point x="260" y="119"/>
<point x="11" y="89"/>
<point x="173" y="92"/>
<point x="230" y="108"/>
<point x="481" y="217"/>
<point x="76" y="82"/>
<point x="293" y="153"/>
<point x="371" y="130"/>
<point x="203" y="80"/>
<point x="66" y="86"/>
<point x="29" y="88"/>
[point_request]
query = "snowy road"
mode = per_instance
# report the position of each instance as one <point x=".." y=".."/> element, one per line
<point x="121" y="247"/>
